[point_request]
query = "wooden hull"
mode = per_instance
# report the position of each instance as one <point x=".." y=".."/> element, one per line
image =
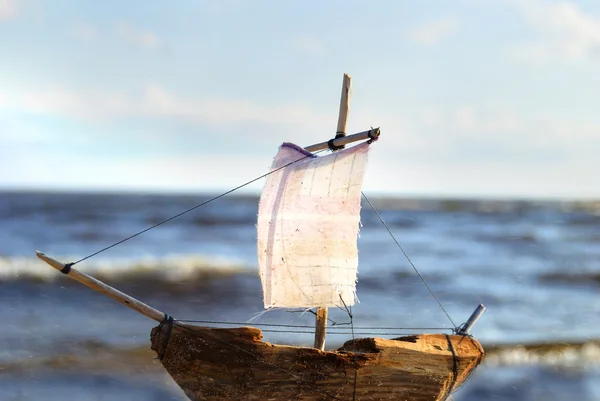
<point x="234" y="364"/>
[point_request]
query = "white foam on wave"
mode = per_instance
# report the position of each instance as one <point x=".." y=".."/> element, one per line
<point x="170" y="267"/>
<point x="562" y="355"/>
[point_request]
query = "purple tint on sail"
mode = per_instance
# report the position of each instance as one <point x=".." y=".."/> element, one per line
<point x="307" y="230"/>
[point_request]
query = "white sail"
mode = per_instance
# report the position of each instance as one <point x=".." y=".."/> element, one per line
<point x="308" y="222"/>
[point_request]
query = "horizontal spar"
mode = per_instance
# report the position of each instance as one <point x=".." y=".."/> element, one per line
<point x="105" y="289"/>
<point x="370" y="134"/>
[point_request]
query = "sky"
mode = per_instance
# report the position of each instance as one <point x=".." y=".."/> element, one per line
<point x="475" y="98"/>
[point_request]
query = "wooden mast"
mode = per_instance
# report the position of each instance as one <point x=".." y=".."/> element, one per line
<point x="321" y="319"/>
<point x="344" y="107"/>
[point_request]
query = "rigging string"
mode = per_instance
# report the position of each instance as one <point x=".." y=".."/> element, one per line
<point x="300" y="326"/>
<point x="466" y="379"/>
<point x="68" y="265"/>
<point x="168" y="320"/>
<point x="333" y="322"/>
<point x="334" y="329"/>
<point x="194" y="207"/>
<point x="454" y="366"/>
<point x="362" y="333"/>
<point x="349" y="312"/>
<point x="408" y="259"/>
<point x="248" y="183"/>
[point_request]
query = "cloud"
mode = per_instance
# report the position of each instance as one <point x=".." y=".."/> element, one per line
<point x="441" y="130"/>
<point x="471" y="149"/>
<point x="495" y="150"/>
<point x="132" y="35"/>
<point x="433" y="32"/>
<point x="483" y="137"/>
<point x="159" y="173"/>
<point x="8" y="9"/>
<point x="87" y="105"/>
<point x="157" y="101"/>
<point x="154" y="101"/>
<point x="564" y="31"/>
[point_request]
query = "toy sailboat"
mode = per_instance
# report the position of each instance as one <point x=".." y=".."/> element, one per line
<point x="308" y="221"/>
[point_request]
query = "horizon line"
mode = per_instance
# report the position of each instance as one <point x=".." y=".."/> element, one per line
<point x="254" y="192"/>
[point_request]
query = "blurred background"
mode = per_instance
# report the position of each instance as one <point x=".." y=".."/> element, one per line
<point x="115" y="116"/>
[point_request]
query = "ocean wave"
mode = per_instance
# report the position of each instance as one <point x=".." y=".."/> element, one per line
<point x="571" y="354"/>
<point x="174" y="268"/>
<point x="581" y="278"/>
<point x="91" y="356"/>
<point x="507" y="239"/>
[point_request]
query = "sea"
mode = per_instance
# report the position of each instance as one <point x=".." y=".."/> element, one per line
<point x="534" y="264"/>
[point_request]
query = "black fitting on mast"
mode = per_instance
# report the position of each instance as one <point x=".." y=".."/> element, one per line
<point x="67" y="268"/>
<point x="331" y="145"/>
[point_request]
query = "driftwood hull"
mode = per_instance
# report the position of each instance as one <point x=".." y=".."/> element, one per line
<point x="234" y="364"/>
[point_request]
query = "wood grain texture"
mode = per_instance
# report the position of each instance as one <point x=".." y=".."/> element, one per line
<point x="321" y="328"/>
<point x="344" y="105"/>
<point x="234" y="364"/>
<point x="105" y="289"/>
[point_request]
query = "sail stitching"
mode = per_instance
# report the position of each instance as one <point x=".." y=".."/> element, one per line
<point x="408" y="259"/>
<point x="283" y="245"/>
<point x="298" y="282"/>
